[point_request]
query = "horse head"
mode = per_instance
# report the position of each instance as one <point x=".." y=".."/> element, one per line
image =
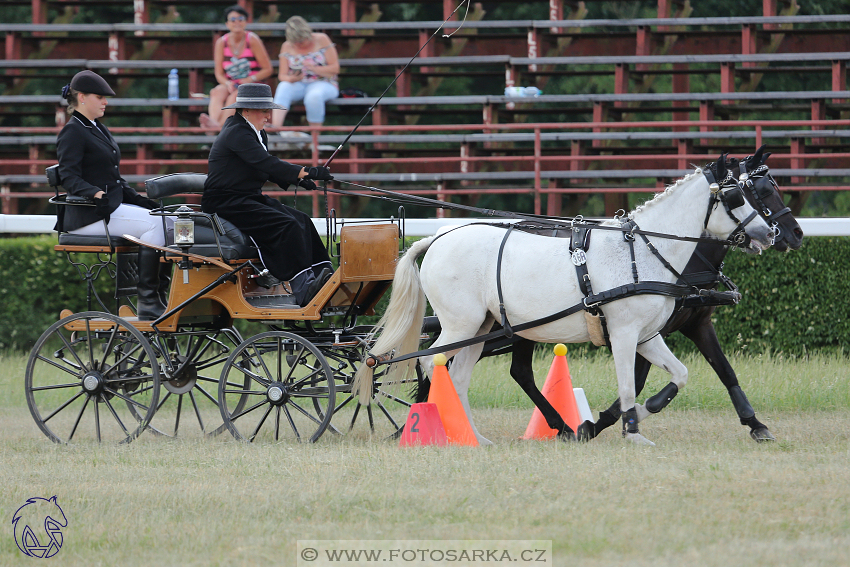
<point x="762" y="191"/>
<point x="731" y="216"/>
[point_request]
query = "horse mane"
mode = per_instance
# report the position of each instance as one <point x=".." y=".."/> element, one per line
<point x="662" y="195"/>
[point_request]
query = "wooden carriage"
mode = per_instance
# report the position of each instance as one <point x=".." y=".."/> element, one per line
<point x="111" y="376"/>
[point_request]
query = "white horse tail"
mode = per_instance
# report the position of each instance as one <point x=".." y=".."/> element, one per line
<point x="401" y="325"/>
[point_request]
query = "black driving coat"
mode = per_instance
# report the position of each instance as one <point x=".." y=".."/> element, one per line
<point x="88" y="163"/>
<point x="239" y="166"/>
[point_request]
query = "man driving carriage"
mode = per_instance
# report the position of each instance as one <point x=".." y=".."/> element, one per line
<point x="239" y="165"/>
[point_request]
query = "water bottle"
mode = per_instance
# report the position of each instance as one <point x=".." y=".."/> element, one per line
<point x="173" y="85"/>
<point x="531" y="91"/>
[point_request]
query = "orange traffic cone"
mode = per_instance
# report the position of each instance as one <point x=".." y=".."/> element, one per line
<point x="443" y="393"/>
<point x="423" y="427"/>
<point x="558" y="389"/>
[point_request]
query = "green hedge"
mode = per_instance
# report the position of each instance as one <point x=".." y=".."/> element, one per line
<point x="795" y="302"/>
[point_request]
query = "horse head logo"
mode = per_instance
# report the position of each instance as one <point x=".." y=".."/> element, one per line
<point x="38" y="527"/>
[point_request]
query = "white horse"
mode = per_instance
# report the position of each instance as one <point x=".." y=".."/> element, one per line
<point x="538" y="279"/>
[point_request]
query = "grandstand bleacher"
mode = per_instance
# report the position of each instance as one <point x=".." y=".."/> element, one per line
<point x="648" y="126"/>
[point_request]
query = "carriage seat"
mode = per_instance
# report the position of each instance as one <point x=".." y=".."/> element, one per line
<point x="234" y="243"/>
<point x="73" y="242"/>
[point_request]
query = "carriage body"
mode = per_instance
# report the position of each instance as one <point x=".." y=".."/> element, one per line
<point x="300" y="370"/>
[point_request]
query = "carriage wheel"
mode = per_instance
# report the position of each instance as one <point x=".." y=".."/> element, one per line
<point x="84" y="373"/>
<point x="276" y="386"/>
<point x="390" y="403"/>
<point x="190" y="365"/>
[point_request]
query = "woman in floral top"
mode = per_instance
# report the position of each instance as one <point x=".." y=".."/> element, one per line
<point x="309" y="65"/>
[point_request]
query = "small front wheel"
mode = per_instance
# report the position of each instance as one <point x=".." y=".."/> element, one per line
<point x="276" y="386"/>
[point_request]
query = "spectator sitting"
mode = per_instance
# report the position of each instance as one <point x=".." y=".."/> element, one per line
<point x="309" y="65"/>
<point x="240" y="57"/>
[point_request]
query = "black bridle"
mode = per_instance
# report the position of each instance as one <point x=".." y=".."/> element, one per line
<point x="761" y="185"/>
<point x="729" y="193"/>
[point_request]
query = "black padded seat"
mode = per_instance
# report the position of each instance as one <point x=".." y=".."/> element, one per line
<point x="235" y="245"/>
<point x="67" y="239"/>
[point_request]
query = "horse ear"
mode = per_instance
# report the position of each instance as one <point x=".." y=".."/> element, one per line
<point x="765" y="156"/>
<point x="721" y="168"/>
<point x="757" y="157"/>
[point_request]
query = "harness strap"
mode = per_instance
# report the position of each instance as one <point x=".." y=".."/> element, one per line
<point x="505" y="325"/>
<point x="607" y="296"/>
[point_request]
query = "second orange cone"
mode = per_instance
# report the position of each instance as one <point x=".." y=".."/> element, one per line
<point x="443" y="393"/>
<point x="558" y="389"/>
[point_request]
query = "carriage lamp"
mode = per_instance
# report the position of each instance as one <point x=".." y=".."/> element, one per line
<point x="184" y="237"/>
<point x="184" y="227"/>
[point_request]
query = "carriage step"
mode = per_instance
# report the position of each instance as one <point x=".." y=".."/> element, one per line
<point x="276" y="301"/>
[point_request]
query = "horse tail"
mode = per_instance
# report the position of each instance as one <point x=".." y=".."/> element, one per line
<point x="401" y="325"/>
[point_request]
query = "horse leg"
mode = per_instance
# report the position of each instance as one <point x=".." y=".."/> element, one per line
<point x="656" y="351"/>
<point x="523" y="374"/>
<point x="623" y="345"/>
<point x="461" y="367"/>
<point x="610" y="416"/>
<point x="702" y="333"/>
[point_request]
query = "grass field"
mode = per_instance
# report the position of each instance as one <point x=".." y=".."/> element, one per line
<point x="707" y="495"/>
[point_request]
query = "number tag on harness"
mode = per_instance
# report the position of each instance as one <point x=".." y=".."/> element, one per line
<point x="579" y="257"/>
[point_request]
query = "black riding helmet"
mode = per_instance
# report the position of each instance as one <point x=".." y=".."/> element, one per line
<point x="90" y="82"/>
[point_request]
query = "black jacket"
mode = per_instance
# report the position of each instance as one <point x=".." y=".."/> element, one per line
<point x="88" y="163"/>
<point x="240" y="165"/>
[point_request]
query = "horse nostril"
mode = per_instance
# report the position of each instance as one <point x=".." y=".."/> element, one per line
<point x="798" y="232"/>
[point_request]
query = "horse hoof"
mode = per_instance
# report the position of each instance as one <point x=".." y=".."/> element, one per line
<point x="762" y="435"/>
<point x="586" y="431"/>
<point x="638" y="439"/>
<point x="567" y="437"/>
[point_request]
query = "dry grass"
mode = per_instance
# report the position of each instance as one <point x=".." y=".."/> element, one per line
<point x="706" y="495"/>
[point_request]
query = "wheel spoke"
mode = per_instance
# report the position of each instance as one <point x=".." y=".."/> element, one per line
<point x="277" y="424"/>
<point x="75" y="373"/>
<point x="126" y="399"/>
<point x="292" y="368"/>
<point x="255" y="377"/>
<point x="251" y="392"/>
<point x="54" y="387"/>
<point x="108" y="347"/>
<point x="96" y="412"/>
<point x="126" y="355"/>
<point x="354" y="417"/>
<point x="386" y="413"/>
<point x="177" y="415"/>
<point x="205" y="393"/>
<point x="71" y="348"/>
<point x="291" y="423"/>
<point x="91" y="359"/>
<point x="262" y="362"/>
<point x="236" y="416"/>
<point x="63" y="406"/>
<point x="259" y="425"/>
<point x="164" y="399"/>
<point x="344" y="403"/>
<point x="303" y="411"/>
<point x="115" y="415"/>
<point x="197" y="410"/>
<point x="79" y="417"/>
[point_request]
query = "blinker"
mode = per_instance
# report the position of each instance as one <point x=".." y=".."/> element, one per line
<point x="734" y="198"/>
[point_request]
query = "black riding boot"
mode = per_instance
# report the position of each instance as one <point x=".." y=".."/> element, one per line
<point x="306" y="284"/>
<point x="149" y="305"/>
<point x="164" y="282"/>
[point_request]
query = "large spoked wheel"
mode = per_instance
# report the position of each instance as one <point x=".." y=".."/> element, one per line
<point x="276" y="386"/>
<point x="390" y="403"/>
<point x="85" y="373"/>
<point x="190" y="365"/>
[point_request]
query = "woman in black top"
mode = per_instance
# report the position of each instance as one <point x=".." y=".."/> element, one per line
<point x="88" y="166"/>
<point x="239" y="165"/>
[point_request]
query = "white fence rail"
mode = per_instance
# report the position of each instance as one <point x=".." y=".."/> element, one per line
<point x="43" y="224"/>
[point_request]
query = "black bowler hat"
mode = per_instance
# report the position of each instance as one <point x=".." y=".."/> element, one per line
<point x="90" y="82"/>
<point x="255" y="95"/>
